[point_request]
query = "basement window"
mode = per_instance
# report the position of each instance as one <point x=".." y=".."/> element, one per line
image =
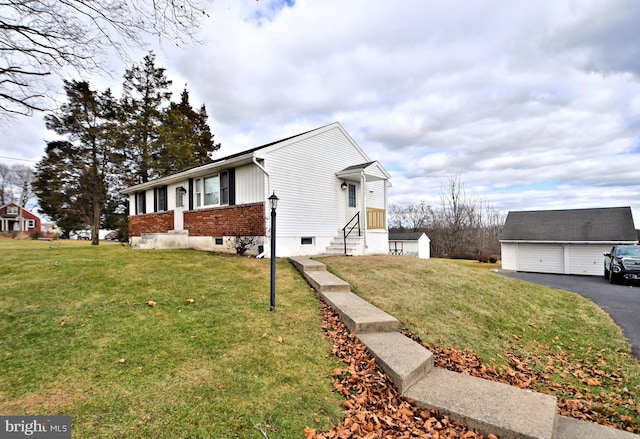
<point x="219" y="241"/>
<point x="306" y="240"/>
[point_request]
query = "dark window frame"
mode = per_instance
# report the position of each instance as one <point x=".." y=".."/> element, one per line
<point x="141" y="202"/>
<point x="160" y="201"/>
<point x="353" y="199"/>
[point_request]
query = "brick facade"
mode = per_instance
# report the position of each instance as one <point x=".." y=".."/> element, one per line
<point x="160" y="222"/>
<point x="245" y="220"/>
<point x="9" y="221"/>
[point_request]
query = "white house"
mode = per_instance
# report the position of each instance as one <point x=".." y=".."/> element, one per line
<point x="415" y="244"/>
<point x="327" y="187"/>
<point x="564" y="241"/>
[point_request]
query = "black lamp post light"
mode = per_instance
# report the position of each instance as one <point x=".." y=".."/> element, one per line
<point x="273" y="201"/>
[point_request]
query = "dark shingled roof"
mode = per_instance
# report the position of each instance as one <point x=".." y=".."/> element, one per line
<point x="611" y="224"/>
<point x="405" y="236"/>
<point x="360" y="166"/>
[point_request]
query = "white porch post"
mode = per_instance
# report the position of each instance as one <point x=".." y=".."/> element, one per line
<point x="363" y="186"/>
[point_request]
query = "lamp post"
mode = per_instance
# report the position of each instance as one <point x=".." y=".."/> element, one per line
<point x="273" y="201"/>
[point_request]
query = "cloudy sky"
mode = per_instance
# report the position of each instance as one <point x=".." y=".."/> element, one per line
<point x="534" y="105"/>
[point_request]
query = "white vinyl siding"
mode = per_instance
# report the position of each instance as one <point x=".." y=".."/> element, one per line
<point x="509" y="256"/>
<point x="303" y="176"/>
<point x="541" y="258"/>
<point x="250" y="184"/>
<point x="375" y="194"/>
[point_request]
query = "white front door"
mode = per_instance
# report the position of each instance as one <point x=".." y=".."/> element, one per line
<point x="351" y="200"/>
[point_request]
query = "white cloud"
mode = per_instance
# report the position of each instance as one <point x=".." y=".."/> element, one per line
<point x="534" y="105"/>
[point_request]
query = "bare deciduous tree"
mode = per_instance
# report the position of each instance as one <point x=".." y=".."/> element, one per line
<point x="5" y="184"/>
<point x="23" y="177"/>
<point x="461" y="227"/>
<point x="412" y="218"/>
<point x="39" y="37"/>
<point x="16" y="184"/>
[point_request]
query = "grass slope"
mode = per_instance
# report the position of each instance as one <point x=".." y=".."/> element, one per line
<point x="454" y="304"/>
<point x="77" y="338"/>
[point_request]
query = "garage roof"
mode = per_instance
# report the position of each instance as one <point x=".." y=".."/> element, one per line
<point x="610" y="224"/>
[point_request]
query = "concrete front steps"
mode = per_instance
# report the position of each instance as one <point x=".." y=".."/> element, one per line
<point x="354" y="246"/>
<point x="487" y="406"/>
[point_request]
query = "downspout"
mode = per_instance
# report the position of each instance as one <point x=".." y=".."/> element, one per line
<point x="259" y="166"/>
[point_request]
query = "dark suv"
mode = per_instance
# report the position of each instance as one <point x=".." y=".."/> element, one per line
<point x="623" y="262"/>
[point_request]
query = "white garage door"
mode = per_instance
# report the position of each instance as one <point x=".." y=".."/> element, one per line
<point x="586" y="259"/>
<point x="541" y="258"/>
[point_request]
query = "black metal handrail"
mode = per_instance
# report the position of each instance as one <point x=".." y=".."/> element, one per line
<point x="350" y="227"/>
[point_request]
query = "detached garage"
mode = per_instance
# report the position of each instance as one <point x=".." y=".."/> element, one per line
<point x="564" y="241"/>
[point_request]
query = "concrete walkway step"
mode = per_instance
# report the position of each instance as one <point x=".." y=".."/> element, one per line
<point x="401" y="358"/>
<point x="304" y="264"/>
<point x="323" y="281"/>
<point x="487" y="406"/>
<point x="359" y="315"/>
<point x="570" y="428"/>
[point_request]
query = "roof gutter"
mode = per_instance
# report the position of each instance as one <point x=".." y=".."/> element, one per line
<point x="193" y="172"/>
<point x="524" y="241"/>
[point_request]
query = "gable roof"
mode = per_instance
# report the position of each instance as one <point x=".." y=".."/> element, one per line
<point x="406" y="236"/>
<point x="604" y="225"/>
<point x="25" y="213"/>
<point x="238" y="158"/>
<point x="372" y="171"/>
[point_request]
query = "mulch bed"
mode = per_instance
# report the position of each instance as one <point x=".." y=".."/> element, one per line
<point x="375" y="409"/>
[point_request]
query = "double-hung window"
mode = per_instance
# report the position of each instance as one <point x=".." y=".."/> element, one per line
<point x="141" y="203"/>
<point x="12" y="210"/>
<point x="160" y="199"/>
<point x="213" y="190"/>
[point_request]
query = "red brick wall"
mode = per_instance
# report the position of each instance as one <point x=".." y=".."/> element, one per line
<point x="160" y="222"/>
<point x="25" y="215"/>
<point x="246" y="220"/>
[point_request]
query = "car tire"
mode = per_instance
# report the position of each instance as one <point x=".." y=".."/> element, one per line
<point x="606" y="273"/>
<point x="613" y="279"/>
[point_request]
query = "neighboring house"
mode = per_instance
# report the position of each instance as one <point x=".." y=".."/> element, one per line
<point x="324" y="180"/>
<point x="564" y="241"/>
<point x="10" y="216"/>
<point x="415" y="244"/>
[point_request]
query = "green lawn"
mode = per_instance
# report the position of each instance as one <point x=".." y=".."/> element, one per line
<point x="573" y="347"/>
<point x="78" y="338"/>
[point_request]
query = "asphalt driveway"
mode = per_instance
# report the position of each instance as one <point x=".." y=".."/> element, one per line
<point x="621" y="302"/>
